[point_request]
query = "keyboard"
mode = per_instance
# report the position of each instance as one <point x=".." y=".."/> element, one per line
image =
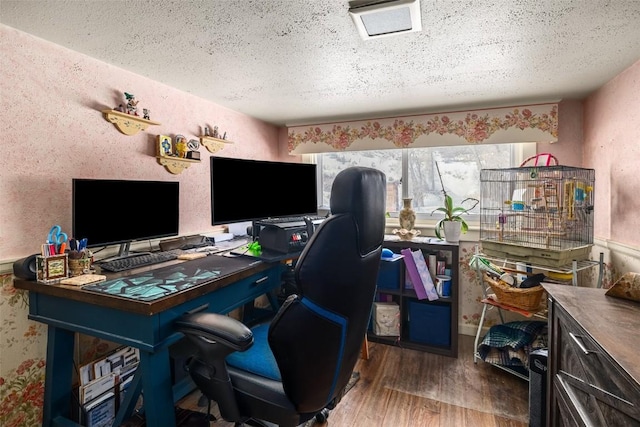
<point x="223" y="246"/>
<point x="191" y="246"/>
<point x="128" y="263"/>
<point x="286" y="219"/>
<point x="291" y="221"/>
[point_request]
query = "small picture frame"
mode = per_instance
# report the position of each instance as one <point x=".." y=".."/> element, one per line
<point x="52" y="269"/>
<point x="165" y="146"/>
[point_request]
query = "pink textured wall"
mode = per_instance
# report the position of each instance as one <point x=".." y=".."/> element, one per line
<point x="612" y="148"/>
<point x="53" y="131"/>
<point x="568" y="149"/>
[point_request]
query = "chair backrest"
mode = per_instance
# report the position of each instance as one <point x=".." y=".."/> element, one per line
<point x="317" y="335"/>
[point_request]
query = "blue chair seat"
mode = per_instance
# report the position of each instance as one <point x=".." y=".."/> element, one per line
<point x="258" y="359"/>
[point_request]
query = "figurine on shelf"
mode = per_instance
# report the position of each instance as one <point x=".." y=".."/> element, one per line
<point x="193" y="144"/>
<point x="131" y="104"/>
<point x="145" y="114"/>
<point x="215" y="132"/>
<point x="206" y="131"/>
<point x="181" y="146"/>
<point x="165" y="146"/>
<point x="120" y="108"/>
<point x="224" y="136"/>
<point x="193" y="152"/>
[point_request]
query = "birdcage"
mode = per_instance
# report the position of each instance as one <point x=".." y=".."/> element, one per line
<point x="542" y="215"/>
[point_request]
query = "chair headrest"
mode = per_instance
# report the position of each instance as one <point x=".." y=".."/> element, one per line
<point x="360" y="191"/>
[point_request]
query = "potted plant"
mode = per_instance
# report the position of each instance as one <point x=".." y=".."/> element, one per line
<point x="452" y="224"/>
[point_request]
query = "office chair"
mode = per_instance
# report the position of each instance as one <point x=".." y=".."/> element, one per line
<point x="293" y="368"/>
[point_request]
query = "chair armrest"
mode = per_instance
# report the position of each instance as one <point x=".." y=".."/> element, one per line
<point x="216" y="328"/>
<point x="215" y="337"/>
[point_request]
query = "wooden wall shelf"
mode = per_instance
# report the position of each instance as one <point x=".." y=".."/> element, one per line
<point x="175" y="165"/>
<point x="127" y="123"/>
<point x="213" y="144"/>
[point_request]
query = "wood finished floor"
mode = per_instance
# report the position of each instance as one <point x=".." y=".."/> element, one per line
<point x="401" y="387"/>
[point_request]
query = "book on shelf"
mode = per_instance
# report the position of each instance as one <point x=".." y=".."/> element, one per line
<point x="124" y="386"/>
<point x="97" y="387"/>
<point x="120" y="360"/>
<point x="99" y="412"/>
<point x="94" y="396"/>
<point x="418" y="272"/>
<point x="102" y="382"/>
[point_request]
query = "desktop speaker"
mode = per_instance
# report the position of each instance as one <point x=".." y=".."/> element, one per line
<point x="25" y="268"/>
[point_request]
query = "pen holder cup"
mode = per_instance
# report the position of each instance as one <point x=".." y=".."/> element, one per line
<point x="79" y="266"/>
<point x="52" y="269"/>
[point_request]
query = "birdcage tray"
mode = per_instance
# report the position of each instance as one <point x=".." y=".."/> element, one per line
<point x="538" y="256"/>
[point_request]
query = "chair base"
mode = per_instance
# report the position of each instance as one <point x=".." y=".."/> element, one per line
<point x="320" y="417"/>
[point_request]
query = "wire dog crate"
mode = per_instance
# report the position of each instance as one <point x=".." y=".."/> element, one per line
<point x="542" y="215"/>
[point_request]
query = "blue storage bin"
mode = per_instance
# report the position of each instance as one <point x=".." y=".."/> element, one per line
<point x="389" y="273"/>
<point x="430" y="323"/>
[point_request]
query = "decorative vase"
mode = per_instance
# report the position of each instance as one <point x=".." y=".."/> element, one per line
<point x="407" y="216"/>
<point x="452" y="231"/>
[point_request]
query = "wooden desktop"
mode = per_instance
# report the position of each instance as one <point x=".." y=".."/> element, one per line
<point x="146" y="325"/>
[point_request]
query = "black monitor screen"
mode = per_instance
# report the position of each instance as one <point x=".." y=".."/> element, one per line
<point x="244" y="190"/>
<point x="119" y="211"/>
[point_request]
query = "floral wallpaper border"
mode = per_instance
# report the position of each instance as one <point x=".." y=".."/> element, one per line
<point x="505" y="125"/>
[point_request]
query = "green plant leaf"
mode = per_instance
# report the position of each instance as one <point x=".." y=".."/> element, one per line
<point x="448" y="203"/>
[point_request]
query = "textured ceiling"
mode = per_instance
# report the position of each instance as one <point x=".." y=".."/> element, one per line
<point x="293" y="62"/>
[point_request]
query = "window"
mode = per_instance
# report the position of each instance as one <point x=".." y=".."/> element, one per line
<point x="412" y="172"/>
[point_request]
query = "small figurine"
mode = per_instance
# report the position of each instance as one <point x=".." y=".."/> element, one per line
<point x="145" y="114"/>
<point x="181" y="146"/>
<point x="193" y="144"/>
<point x="166" y="148"/>
<point x="215" y="132"/>
<point x="131" y="104"/>
<point x="206" y="131"/>
<point x="120" y="108"/>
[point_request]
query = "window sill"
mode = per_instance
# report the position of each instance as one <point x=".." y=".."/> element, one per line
<point x="427" y="229"/>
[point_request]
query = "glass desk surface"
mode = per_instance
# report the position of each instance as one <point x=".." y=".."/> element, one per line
<point x="162" y="282"/>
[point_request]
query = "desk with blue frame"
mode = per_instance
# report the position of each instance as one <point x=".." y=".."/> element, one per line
<point x="137" y="308"/>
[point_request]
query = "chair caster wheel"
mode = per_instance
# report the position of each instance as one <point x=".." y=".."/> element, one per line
<point x="322" y="416"/>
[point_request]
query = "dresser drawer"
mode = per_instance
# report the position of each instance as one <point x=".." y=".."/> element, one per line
<point x="567" y="414"/>
<point x="589" y="379"/>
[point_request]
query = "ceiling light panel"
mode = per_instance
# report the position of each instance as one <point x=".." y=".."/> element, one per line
<point x="375" y="19"/>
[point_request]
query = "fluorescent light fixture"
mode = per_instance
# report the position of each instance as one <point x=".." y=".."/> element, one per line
<point x="383" y="18"/>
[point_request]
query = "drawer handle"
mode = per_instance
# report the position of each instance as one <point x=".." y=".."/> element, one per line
<point x="260" y="280"/>
<point x="198" y="309"/>
<point x="579" y="343"/>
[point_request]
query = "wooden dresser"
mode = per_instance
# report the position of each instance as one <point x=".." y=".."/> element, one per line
<point x="594" y="358"/>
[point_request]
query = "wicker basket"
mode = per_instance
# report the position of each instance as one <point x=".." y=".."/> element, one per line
<point x="526" y="299"/>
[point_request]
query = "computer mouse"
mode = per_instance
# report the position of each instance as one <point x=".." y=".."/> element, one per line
<point x="386" y="253"/>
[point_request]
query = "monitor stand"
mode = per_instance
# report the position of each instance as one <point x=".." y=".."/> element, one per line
<point x="123" y="252"/>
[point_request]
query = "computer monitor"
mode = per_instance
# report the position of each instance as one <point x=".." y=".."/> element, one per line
<point x="110" y="211"/>
<point x="246" y="190"/>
